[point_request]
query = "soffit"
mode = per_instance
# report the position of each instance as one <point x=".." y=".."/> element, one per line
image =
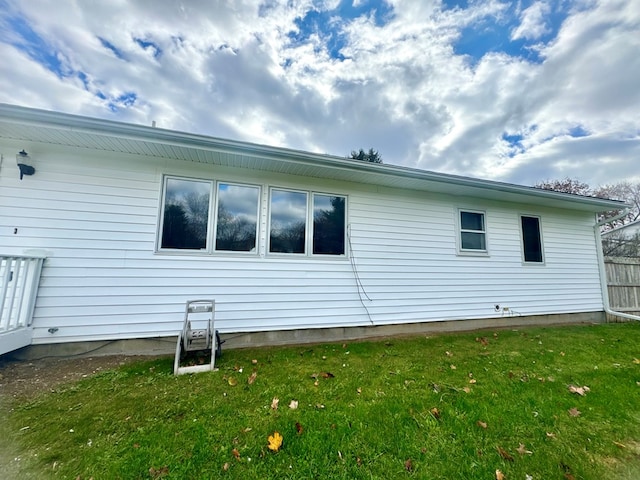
<point x="30" y="125"/>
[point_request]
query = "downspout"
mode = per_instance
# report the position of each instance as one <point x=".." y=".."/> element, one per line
<point x="603" y="272"/>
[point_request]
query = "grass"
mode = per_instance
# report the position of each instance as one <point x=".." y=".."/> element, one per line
<point x="457" y="406"/>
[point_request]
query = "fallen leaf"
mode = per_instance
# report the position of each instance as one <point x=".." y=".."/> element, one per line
<point x="359" y="390"/>
<point x="528" y="477"/>
<point x="274" y="403"/>
<point x="504" y="454"/>
<point x="466" y="389"/>
<point x="574" y="412"/>
<point x="254" y="361"/>
<point x="358" y="461"/>
<point x="408" y="466"/>
<point x="500" y="475"/>
<point x="236" y="453"/>
<point x="579" y="390"/>
<point x="551" y="435"/>
<point x="448" y="354"/>
<point x="569" y="476"/>
<point x="452" y="367"/>
<point x="327" y="375"/>
<point x="472" y="381"/>
<point x="293" y="405"/>
<point x="275" y="441"/>
<point x="522" y="450"/>
<point x="636" y="361"/>
<point x="232" y="381"/>
<point x="481" y="424"/>
<point x="226" y="466"/>
<point x="252" y="378"/>
<point x="247" y="430"/>
<point x="435" y="412"/>
<point x="299" y="428"/>
<point x="319" y="406"/>
<point x="482" y="340"/>
<point x="159" y="472"/>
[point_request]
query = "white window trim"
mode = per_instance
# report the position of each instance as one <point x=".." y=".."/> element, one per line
<point x="544" y="257"/>
<point x="160" y="226"/>
<point x="469" y="251"/>
<point x="308" y="241"/>
<point x="212" y="223"/>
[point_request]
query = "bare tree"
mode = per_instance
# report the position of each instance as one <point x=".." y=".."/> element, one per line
<point x="615" y="244"/>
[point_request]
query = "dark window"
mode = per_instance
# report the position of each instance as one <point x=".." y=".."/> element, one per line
<point x="531" y="239"/>
<point x="237" y="217"/>
<point x="287" y="222"/>
<point x="185" y="214"/>
<point x="472" y="231"/>
<point x="328" y="225"/>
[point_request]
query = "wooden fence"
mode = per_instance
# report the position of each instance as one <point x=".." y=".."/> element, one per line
<point x="623" y="281"/>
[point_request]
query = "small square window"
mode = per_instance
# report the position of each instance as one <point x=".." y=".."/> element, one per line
<point x="472" y="231"/>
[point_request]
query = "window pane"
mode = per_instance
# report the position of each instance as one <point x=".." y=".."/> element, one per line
<point x="237" y="219"/>
<point x="288" y="222"/>
<point x="531" y="240"/>
<point x="186" y="214"/>
<point x="473" y="241"/>
<point x="328" y="225"/>
<point x="472" y="221"/>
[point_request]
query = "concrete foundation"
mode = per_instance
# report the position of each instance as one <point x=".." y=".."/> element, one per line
<point x="167" y="345"/>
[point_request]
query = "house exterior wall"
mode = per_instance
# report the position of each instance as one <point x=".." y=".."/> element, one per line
<point x="95" y="216"/>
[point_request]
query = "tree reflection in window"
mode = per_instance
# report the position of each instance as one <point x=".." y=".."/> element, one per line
<point x="328" y="225"/>
<point x="237" y="219"/>
<point x="186" y="214"/>
<point x="287" y="222"/>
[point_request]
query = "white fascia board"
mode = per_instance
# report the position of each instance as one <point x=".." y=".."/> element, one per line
<point x="370" y="172"/>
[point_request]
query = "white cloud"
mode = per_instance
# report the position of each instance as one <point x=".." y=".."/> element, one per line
<point x="533" y="23"/>
<point x="233" y="69"/>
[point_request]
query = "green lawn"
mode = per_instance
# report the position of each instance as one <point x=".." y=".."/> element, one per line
<point x="459" y="406"/>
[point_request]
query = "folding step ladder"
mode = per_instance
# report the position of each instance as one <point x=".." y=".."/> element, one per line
<point x="197" y="337"/>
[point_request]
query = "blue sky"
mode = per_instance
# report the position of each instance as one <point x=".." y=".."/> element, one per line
<point x="518" y="91"/>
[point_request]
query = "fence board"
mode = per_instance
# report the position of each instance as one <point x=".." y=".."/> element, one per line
<point x="623" y="283"/>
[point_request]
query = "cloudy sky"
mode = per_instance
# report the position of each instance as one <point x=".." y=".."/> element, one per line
<point x="516" y="91"/>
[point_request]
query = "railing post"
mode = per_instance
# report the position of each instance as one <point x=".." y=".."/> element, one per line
<point x="20" y="278"/>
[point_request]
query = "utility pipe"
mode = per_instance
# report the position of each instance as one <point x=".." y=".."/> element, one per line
<point x="602" y="269"/>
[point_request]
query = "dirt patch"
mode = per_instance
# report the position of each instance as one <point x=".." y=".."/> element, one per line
<point x="21" y="379"/>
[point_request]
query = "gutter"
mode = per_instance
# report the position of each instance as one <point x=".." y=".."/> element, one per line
<point x="602" y="270"/>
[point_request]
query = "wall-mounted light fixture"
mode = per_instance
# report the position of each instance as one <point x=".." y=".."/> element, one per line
<point x="25" y="164"/>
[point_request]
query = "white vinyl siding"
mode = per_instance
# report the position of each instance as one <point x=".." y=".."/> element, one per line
<point x="95" y="216"/>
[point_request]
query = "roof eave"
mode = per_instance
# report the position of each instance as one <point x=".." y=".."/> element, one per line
<point x="371" y="172"/>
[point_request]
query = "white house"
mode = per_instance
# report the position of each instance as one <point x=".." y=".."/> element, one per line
<point x="122" y="224"/>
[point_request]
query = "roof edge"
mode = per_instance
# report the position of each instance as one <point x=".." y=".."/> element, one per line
<point x="72" y="122"/>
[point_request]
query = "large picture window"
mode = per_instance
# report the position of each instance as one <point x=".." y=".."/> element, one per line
<point x="472" y="231"/>
<point x="531" y="239"/>
<point x="237" y="218"/>
<point x="185" y="215"/>
<point x="209" y="217"/>
<point x="292" y="229"/>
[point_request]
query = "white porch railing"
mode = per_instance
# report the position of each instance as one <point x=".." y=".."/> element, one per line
<point x="19" y="280"/>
